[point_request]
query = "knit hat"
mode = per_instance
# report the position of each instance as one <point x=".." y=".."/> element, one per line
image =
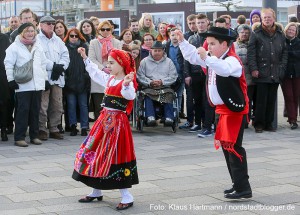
<point x="257" y="12"/>
<point x="23" y="26"/>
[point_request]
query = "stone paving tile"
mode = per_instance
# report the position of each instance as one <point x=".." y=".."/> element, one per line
<point x="174" y="169"/>
<point x="33" y="196"/>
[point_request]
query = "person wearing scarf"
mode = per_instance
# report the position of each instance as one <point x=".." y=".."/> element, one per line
<point x="227" y="91"/>
<point x="28" y="94"/>
<point x="98" y="53"/>
<point x="77" y="83"/>
<point x="147" y="42"/>
<point x="106" y="159"/>
<point x="241" y="47"/>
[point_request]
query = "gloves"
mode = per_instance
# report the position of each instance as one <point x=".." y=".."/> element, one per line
<point x="13" y="85"/>
<point x="47" y="85"/>
<point x="57" y="71"/>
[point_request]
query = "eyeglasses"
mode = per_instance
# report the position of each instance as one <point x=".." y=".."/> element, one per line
<point x="50" y="23"/>
<point x="148" y="39"/>
<point x="105" y="29"/>
<point x="73" y="36"/>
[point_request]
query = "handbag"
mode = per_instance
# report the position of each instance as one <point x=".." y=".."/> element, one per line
<point x="24" y="73"/>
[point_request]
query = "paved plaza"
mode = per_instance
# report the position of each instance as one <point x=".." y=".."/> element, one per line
<point x="179" y="174"/>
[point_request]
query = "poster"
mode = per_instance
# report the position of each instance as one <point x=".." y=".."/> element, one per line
<point x="175" y="18"/>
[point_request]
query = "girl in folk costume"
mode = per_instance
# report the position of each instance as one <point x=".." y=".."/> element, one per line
<point x="227" y="90"/>
<point x="106" y="159"/>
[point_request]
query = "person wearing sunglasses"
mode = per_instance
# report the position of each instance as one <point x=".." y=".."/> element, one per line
<point x="58" y="60"/>
<point x="77" y="82"/>
<point x="98" y="53"/>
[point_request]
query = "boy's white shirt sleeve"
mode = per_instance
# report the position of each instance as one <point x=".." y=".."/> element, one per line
<point x="128" y="92"/>
<point x="96" y="75"/>
<point x="230" y="66"/>
<point x="190" y="53"/>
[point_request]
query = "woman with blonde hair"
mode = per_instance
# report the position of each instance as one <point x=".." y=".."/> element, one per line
<point x="291" y="82"/>
<point x="98" y="53"/>
<point x="28" y="92"/>
<point x="146" y="25"/>
<point x="162" y="35"/>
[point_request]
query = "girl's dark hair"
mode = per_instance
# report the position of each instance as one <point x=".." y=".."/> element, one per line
<point x="91" y="24"/>
<point x="63" y="24"/>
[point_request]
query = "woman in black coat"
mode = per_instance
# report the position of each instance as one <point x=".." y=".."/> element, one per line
<point x="291" y="82"/>
<point x="77" y="82"/>
<point x="4" y="89"/>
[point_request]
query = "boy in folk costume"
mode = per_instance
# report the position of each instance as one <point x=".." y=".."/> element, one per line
<point x="227" y="91"/>
<point x="106" y="159"/>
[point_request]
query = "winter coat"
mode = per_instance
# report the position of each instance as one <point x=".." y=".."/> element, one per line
<point x="180" y="59"/>
<point x="293" y="65"/>
<point x="76" y="77"/>
<point x="17" y="54"/>
<point x="95" y="55"/>
<point x="4" y="89"/>
<point x="268" y="55"/>
<point x="190" y="69"/>
<point x="144" y="53"/>
<point x="150" y="70"/>
<point x="55" y="52"/>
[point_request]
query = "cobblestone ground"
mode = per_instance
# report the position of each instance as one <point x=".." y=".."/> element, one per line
<point x="179" y="174"/>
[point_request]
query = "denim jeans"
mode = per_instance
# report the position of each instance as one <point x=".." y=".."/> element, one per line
<point x="81" y="99"/>
<point x="179" y="95"/>
<point x="149" y="108"/>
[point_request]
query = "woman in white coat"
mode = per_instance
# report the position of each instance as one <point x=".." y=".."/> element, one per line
<point x="98" y="54"/>
<point x="28" y="95"/>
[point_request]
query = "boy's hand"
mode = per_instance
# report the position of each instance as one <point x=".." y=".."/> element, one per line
<point x="202" y="53"/>
<point x="179" y="35"/>
<point x="81" y="51"/>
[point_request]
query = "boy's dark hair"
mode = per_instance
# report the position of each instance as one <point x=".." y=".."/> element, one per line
<point x="241" y="19"/>
<point x="220" y="20"/>
<point x="201" y="16"/>
<point x="132" y="20"/>
<point x="293" y="19"/>
<point x="191" y="17"/>
<point x="226" y="16"/>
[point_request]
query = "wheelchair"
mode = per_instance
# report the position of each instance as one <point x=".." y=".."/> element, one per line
<point x="139" y="118"/>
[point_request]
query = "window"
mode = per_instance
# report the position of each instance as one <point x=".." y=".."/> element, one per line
<point x="131" y="2"/>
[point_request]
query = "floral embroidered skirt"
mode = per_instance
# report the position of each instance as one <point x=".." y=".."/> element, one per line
<point x="106" y="159"/>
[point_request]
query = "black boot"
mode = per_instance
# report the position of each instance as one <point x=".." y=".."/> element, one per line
<point x="73" y="130"/>
<point x="4" y="134"/>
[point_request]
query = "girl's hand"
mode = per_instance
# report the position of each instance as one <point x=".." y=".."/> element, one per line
<point x="128" y="78"/>
<point x="81" y="51"/>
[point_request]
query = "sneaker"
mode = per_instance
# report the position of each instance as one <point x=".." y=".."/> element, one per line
<point x="43" y="135"/>
<point x="21" y="143"/>
<point x="151" y="121"/>
<point x="56" y="135"/>
<point x="36" y="141"/>
<point x="195" y="128"/>
<point x="186" y="125"/>
<point x="169" y="122"/>
<point x="204" y="133"/>
<point x="83" y="132"/>
<point x="294" y="125"/>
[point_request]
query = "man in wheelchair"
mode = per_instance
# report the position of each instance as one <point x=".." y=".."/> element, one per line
<point x="155" y="76"/>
